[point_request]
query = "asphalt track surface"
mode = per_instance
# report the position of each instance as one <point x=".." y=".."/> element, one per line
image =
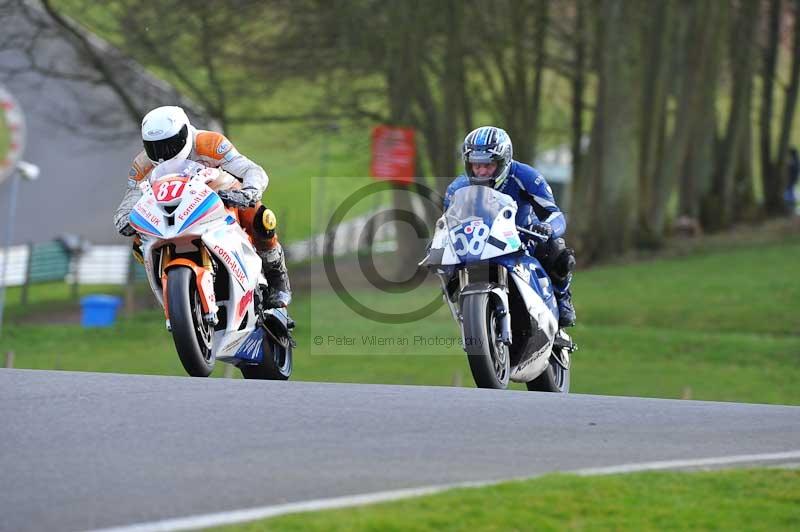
<point x="84" y="451"/>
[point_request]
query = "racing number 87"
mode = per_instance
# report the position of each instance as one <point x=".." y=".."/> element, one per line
<point x="168" y="191"/>
<point x="470" y="238"/>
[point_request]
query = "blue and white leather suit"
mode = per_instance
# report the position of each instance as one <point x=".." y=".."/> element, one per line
<point x="535" y="203"/>
<point x="534" y="197"/>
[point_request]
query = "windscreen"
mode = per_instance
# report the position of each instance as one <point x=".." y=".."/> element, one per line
<point x="475" y="202"/>
<point x="185" y="168"/>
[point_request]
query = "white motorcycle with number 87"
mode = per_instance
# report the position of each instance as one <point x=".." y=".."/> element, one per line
<point x="204" y="270"/>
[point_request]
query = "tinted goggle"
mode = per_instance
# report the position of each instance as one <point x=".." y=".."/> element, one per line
<point x="166" y="149"/>
<point x="481" y="155"/>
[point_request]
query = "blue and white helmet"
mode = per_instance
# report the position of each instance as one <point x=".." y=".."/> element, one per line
<point x="488" y="144"/>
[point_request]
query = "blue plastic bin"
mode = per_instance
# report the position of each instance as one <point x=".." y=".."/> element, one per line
<point x="99" y="310"/>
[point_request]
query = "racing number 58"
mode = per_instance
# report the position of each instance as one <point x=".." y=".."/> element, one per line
<point x="471" y="242"/>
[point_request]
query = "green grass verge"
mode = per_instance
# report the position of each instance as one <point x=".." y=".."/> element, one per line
<point x="46" y="298"/>
<point x="722" y="325"/>
<point x="757" y="499"/>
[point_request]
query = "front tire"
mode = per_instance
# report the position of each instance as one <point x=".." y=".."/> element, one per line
<point x="488" y="356"/>
<point x="190" y="332"/>
<point x="554" y="379"/>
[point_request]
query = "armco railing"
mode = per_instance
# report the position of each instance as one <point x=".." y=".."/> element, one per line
<point x="51" y="262"/>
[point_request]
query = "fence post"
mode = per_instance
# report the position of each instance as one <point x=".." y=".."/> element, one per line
<point x="9" y="362"/>
<point x="74" y="266"/>
<point x="130" y="286"/>
<point x="23" y="298"/>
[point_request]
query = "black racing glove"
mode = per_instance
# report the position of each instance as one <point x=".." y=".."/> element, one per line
<point x="127" y="230"/>
<point x="542" y="231"/>
<point x="136" y="249"/>
<point x="243" y="197"/>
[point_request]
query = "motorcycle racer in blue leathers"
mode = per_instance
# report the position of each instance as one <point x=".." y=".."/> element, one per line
<point x="487" y="153"/>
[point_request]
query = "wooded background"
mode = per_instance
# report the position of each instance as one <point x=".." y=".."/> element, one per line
<point x="672" y="108"/>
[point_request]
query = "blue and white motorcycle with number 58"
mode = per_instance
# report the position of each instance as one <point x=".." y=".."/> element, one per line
<point x="499" y="294"/>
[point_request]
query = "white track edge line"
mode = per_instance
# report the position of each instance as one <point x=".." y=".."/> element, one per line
<point x="689" y="463"/>
<point x="241" y="516"/>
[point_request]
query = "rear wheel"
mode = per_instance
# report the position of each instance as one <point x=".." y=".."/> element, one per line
<point x="488" y="356"/>
<point x="190" y="332"/>
<point x="556" y="377"/>
<point x="276" y="365"/>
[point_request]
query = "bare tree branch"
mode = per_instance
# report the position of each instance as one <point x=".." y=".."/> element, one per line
<point x="93" y="55"/>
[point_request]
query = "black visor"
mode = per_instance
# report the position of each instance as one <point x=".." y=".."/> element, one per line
<point x="166" y="149"/>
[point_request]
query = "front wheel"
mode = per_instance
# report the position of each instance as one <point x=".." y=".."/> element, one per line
<point x="556" y="377"/>
<point x="488" y="356"/>
<point x="190" y="332"/>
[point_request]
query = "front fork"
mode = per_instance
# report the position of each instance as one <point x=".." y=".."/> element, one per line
<point x="204" y="277"/>
<point x="498" y="288"/>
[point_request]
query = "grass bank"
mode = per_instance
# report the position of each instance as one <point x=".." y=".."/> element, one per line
<point x="718" y="325"/>
<point x="758" y="499"/>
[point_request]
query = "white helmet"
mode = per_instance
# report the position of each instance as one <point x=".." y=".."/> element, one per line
<point x="167" y="134"/>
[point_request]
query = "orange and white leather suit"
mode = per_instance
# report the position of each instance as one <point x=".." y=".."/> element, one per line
<point x="214" y="150"/>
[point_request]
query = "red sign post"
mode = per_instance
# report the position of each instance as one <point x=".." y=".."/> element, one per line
<point x="393" y="153"/>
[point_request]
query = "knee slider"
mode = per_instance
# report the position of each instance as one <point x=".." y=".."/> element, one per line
<point x="265" y="223"/>
<point x="563" y="264"/>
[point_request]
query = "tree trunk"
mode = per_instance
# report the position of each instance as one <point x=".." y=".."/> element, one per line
<point x="543" y="13"/>
<point x="453" y="82"/>
<point x="655" y="86"/>
<point x="742" y="60"/>
<point x="578" y="83"/>
<point x="608" y="202"/>
<point x="790" y="104"/>
<point x="770" y="174"/>
<point x="744" y="199"/>
<point x="403" y="79"/>
<point x="693" y="133"/>
<point x="511" y="65"/>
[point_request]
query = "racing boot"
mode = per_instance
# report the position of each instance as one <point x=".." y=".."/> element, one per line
<point x="566" y="312"/>
<point x="274" y="268"/>
<point x="272" y="261"/>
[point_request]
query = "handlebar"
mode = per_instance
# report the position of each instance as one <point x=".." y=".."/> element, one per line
<point x="539" y="238"/>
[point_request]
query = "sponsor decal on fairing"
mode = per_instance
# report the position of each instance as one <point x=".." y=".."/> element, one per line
<point x="210" y="203"/>
<point x="145" y="225"/>
<point x="241" y="308"/>
<point x="234" y="264"/>
<point x="251" y="349"/>
<point x="194" y="203"/>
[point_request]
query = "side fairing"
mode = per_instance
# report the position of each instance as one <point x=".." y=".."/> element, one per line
<point x="532" y="272"/>
<point x="543" y="321"/>
<point x="231" y="246"/>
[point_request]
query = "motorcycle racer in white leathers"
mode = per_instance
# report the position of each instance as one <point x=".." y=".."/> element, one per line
<point x="168" y="135"/>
